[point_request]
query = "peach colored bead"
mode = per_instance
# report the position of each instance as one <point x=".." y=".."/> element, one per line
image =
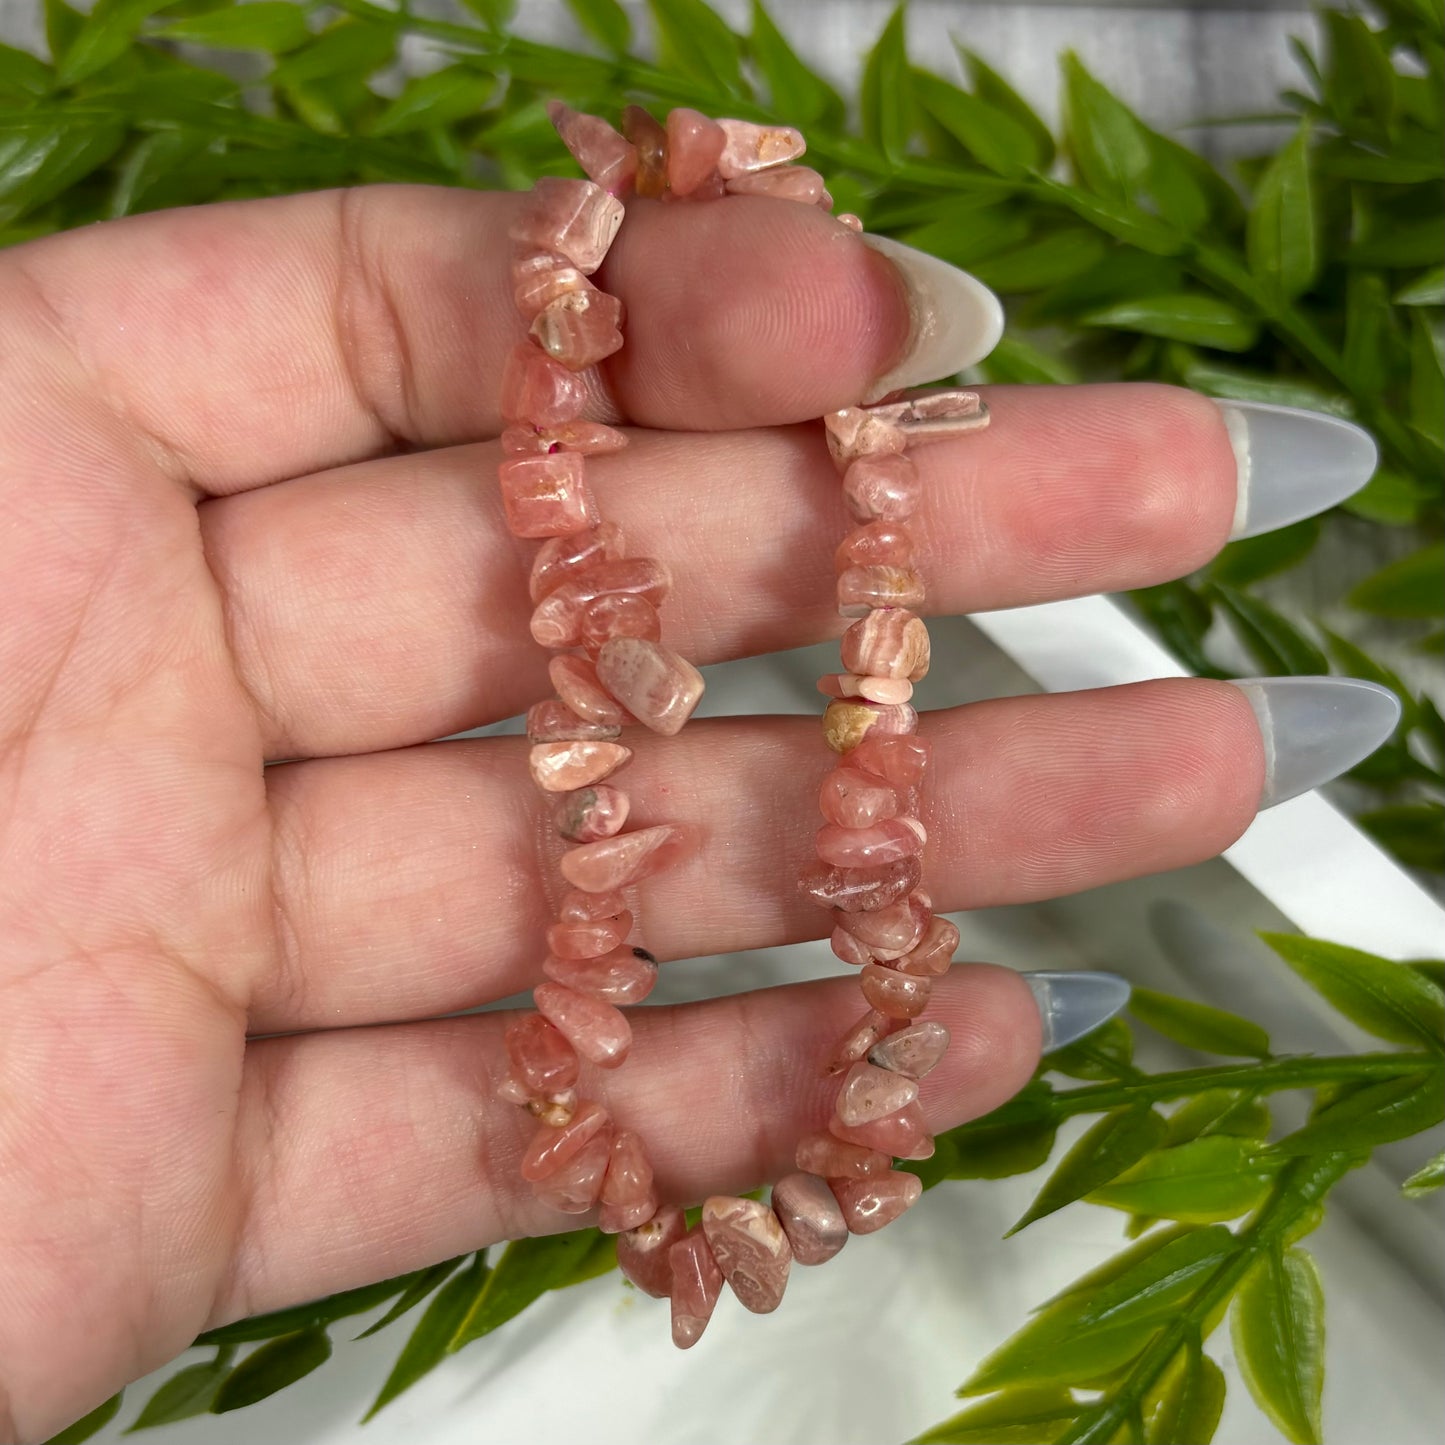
<point x="553" y="722"/>
<point x="879" y="544"/>
<point x="555" y="1110"/>
<point x="540" y="1057"/>
<point x="599" y="1032"/>
<point x="870" y="1093"/>
<point x="642" y="1252"/>
<point x="580" y="328"/>
<point x="889" y="932"/>
<point x="855" y="799"/>
<point x="856" y="889"/>
<point x="619" y="614"/>
<point x="879" y="488"/>
<point x="546" y="496"/>
<point x="883" y="842"/>
<point x="617" y="862"/>
<point x="899" y="995"/>
<point x="560" y="767"/>
<point x="850" y="949"/>
<point x="831" y="1158"/>
<point x="694" y="143"/>
<point x="540" y="277"/>
<point x="810" y="1217"/>
<point x="891" y="642"/>
<point x="588" y="814"/>
<point x="900" y="760"/>
<point x="588" y="940"/>
<point x="536" y="389"/>
<point x="573" y="1189"/>
<point x="650" y="139"/>
<point x="575" y="679"/>
<point x="579" y="907"/>
<point x="862" y="588"/>
<point x="846" y="723"/>
<point x="913" y="1051"/>
<point x="934" y="952"/>
<point x="658" y="686"/>
<point x="621" y="976"/>
<point x="591" y="438"/>
<point x="629" y="1173"/>
<point x="756" y="147"/>
<point x="696" y="1285"/>
<point x="614" y="1218"/>
<point x="786" y="183"/>
<point x="870" y="689"/>
<point x="902" y="1134"/>
<point x="750" y="1248"/>
<point x="856" y="431"/>
<point x="565" y="558"/>
<point x="557" y="620"/>
<point x="869" y="1204"/>
<point x="551" y="1148"/>
<point x="855" y="1044"/>
<point x="575" y="219"/>
<point x="853" y="223"/>
<point x="509" y="1091"/>
<point x="607" y="157"/>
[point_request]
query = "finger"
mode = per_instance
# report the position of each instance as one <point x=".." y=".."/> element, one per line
<point x="418" y="882"/>
<point x="387" y="604"/>
<point x="366" y="1153"/>
<point x="255" y="340"/>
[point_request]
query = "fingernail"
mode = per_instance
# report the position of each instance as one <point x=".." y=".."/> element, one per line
<point x="956" y="319"/>
<point x="1316" y="728"/>
<point x="1074" y="1004"/>
<point x="1292" y="464"/>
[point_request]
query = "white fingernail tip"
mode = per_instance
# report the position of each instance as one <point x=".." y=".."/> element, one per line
<point x="1292" y="464"/>
<point x="956" y="319"/>
<point x="1072" y="1004"/>
<point x="1315" y="728"/>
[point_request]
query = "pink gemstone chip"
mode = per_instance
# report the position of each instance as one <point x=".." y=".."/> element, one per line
<point x="543" y="1060"/>
<point x="857" y="889"/>
<point x="554" y="722"/>
<point x="892" y="642"/>
<point x="862" y="588"/>
<point x="551" y="1148"/>
<point x="625" y="975"/>
<point x="858" y="431"/>
<point x="810" y="1216"/>
<point x="879" y="544"/>
<point x="892" y="931"/>
<point x="589" y="939"/>
<point x="882" y="842"/>
<point x="902" y="1134"/>
<point x="560" y="767"/>
<point x="870" y="1093"/>
<point x="577" y="684"/>
<point x="546" y="496"/>
<point x="858" y="1040"/>
<point x="557" y="619"/>
<point x="565" y="558"/>
<point x="574" y="1188"/>
<point x="579" y="907"/>
<point x="696" y="1287"/>
<point x="880" y="488"/>
<point x="626" y="858"/>
<point x="694" y="145"/>
<point x="913" y="1051"/>
<point x="901" y="761"/>
<point x="595" y="1029"/>
<point x="855" y="799"/>
<point x="832" y="1158"/>
<point x="784" y="183"/>
<point x="899" y="995"/>
<point x="575" y="219"/>
<point x="591" y="438"/>
<point x="619" y="614"/>
<point x="933" y="953"/>
<point x="587" y="814"/>
<point x="628" y="1197"/>
<point x="750" y="1248"/>
<point x="869" y="1204"/>
<point x="656" y="685"/>
<point x="650" y="138"/>
<point x="756" y="147"/>
<point x="536" y="389"/>
<point x="606" y="156"/>
<point x="539" y="278"/>
<point x="642" y="1252"/>
<point x="579" y="329"/>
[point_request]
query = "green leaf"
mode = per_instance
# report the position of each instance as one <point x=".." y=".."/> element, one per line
<point x="606" y="22"/>
<point x="527" y="1269"/>
<point x="1207" y="1180"/>
<point x="1409" y="587"/>
<point x="1218" y="1111"/>
<point x="987" y="233"/>
<point x="1012" y="1417"/>
<point x="307" y="1316"/>
<point x="348" y="48"/>
<point x="1413" y="832"/>
<point x="1046" y="260"/>
<point x="1253" y="558"/>
<point x="1109" y="1147"/>
<point x="797" y="93"/>
<point x="272" y="1367"/>
<point x="1118" y="219"/>
<point x="1276" y="644"/>
<point x="151" y="164"/>
<point x="1191" y="317"/>
<point x="1359" y="79"/>
<point x="1187" y="1401"/>
<point x="1105" y="1054"/>
<point x="425" y="1283"/>
<point x="38" y="165"/>
<point x="441" y="98"/>
<point x="90" y="1424"/>
<point x="1426" y="1179"/>
<point x="1427" y="381"/>
<point x="1281" y="236"/>
<point x="600" y="1259"/>
<point x="494" y="14"/>
<point x="1199" y="1025"/>
<point x="1372" y="341"/>
<point x="1390" y="498"/>
<point x="21" y="73"/>
<point x="694" y="39"/>
<point x="187" y="1393"/>
<point x="1117" y="1265"/>
<point x="1216" y="378"/>
<point x="1278" y="1327"/>
<point x="274" y="26"/>
<point x="1015" y="360"/>
<point x="1377" y="1114"/>
<point x="430" y="1342"/>
<point x="1426" y="290"/>
<point x="1109" y="148"/>
<point x="104" y="36"/>
<point x="991" y="88"/>
<point x="62" y="24"/>
<point x="1015" y="1138"/>
<point x="992" y="137"/>
<point x="884" y="99"/>
<point x="1390" y="1000"/>
<point x="1398" y="245"/>
<point x="1158" y="1285"/>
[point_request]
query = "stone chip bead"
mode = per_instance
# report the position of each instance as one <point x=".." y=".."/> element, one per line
<point x="578" y="685"/>
<point x="881" y="488"/>
<point x="624" y="859"/>
<point x="539" y="390"/>
<point x="658" y="686"/>
<point x="869" y="1093"/>
<point x="557" y="618"/>
<point x="619" y="614"/>
<point x="899" y="995"/>
<point x="694" y="145"/>
<point x="855" y="1044"/>
<point x="879" y="544"/>
<point x="890" y="932"/>
<point x="599" y="1032"/>
<point x="650" y="139"/>
<point x="564" y="558"/>
<point x="696" y="1285"/>
<point x="847" y="723"/>
<point x="857" y="431"/>
<point x="591" y="438"/>
<point x="852" y="798"/>
<point x="628" y="1196"/>
<point x="914" y="1051"/>
<point x="587" y="814"/>
<point x="539" y="278"/>
<point x="623" y="975"/>
<point x="833" y="1158"/>
<point x="607" y="157"/>
<point x="785" y="183"/>
<point x="750" y="147"/>
<point x="900" y="760"/>
<point x="642" y="1252"/>
<point x="869" y="1204"/>
<point x="579" y="907"/>
<point x="575" y="219"/>
<point x="750" y="1248"/>
<point x="574" y="1188"/>
<point x="540" y="1056"/>
<point x="589" y="939"/>
<point x="891" y="642"/>
<point x="871" y="689"/>
<point x="857" y="889"/>
<point x="933" y="953"/>
<point x="551" y="1148"/>
<point x="901" y="1135"/>
<point x="546" y="496"/>
<point x="562" y="766"/>
<point x="554" y="722"/>
<point x="882" y="842"/>
<point x="580" y="328"/>
<point x="810" y="1216"/>
<point x="863" y="588"/>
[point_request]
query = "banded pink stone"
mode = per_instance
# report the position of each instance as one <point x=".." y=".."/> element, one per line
<point x="599" y="1032"/>
<point x="847" y="723"/>
<point x="557" y="618"/>
<point x="869" y="1204"/>
<point x="539" y="278"/>
<point x="575" y="219"/>
<point x="579" y="328"/>
<point x="752" y="147"/>
<point x="587" y="814"/>
<point x="642" y="1252"/>
<point x="546" y="496"/>
<point x="891" y="642"/>
<point x="615" y="862"/>
<point x="551" y="1148"/>
<point x="810" y="1216"/>
<point x="658" y="686"/>
<point x="565" y="558"/>
<point x="750" y="1248"/>
<point x="695" y="1288"/>
<point x="863" y="588"/>
<point x="559" y="767"/>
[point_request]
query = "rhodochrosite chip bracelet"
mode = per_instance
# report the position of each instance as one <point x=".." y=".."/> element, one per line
<point x="597" y="610"/>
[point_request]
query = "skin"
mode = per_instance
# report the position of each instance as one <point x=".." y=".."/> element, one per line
<point x="246" y="515"/>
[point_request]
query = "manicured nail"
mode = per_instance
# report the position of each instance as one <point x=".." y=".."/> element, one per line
<point x="1292" y="464"/>
<point x="1074" y="1004"/>
<point x="1316" y="728"/>
<point x="956" y="320"/>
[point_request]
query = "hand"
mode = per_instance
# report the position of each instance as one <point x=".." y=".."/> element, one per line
<point x="249" y="513"/>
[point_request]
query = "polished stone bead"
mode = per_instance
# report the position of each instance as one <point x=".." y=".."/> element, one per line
<point x="650" y="139"/>
<point x="619" y="614"/>
<point x="850" y="949"/>
<point x="858" y="431"/>
<point x="933" y="953"/>
<point x="560" y="767"/>
<point x="855" y="889"/>
<point x="565" y="558"/>
<point x="599" y="1032"/>
<point x="785" y="183"/>
<point x="879" y="544"/>
<point x="538" y="390"/>
<point x="509" y="1091"/>
<point x="871" y="689"/>
<point x="847" y="723"/>
<point x="889" y="932"/>
<point x="642" y="1252"/>
<point x="557" y="619"/>
<point x="622" y="976"/>
<point x="695" y="1288"/>
<point x="573" y="1189"/>
<point x="853" y="798"/>
<point x="656" y="685"/>
<point x="832" y="1158"/>
<point x="614" y="1218"/>
<point x="898" y="759"/>
<point x="810" y="1217"/>
<point x="694" y="144"/>
<point x="588" y="814"/>
<point x="628" y="1197"/>
<point x="577" y="684"/>
<point x="853" y="223"/>
<point x="913" y="1051"/>
<point x="882" y="842"/>
<point x="752" y="147"/>
<point x="750" y="1248"/>
<point x="579" y="907"/>
<point x="899" y="995"/>
<point x="869" y="1204"/>
<point x="588" y="939"/>
<point x="546" y="496"/>
<point x="575" y="219"/>
<point x="580" y="328"/>
<point x="863" y="588"/>
<point x="591" y="438"/>
<point x="607" y="157"/>
<point x="880" y="488"/>
<point x="891" y="642"/>
<point x="870" y="1093"/>
<point x="554" y="722"/>
<point x="855" y="1044"/>
<point x="541" y="1058"/>
<point x="616" y="862"/>
<point x="551" y="1148"/>
<point x="540" y="277"/>
<point x="902" y="1134"/>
